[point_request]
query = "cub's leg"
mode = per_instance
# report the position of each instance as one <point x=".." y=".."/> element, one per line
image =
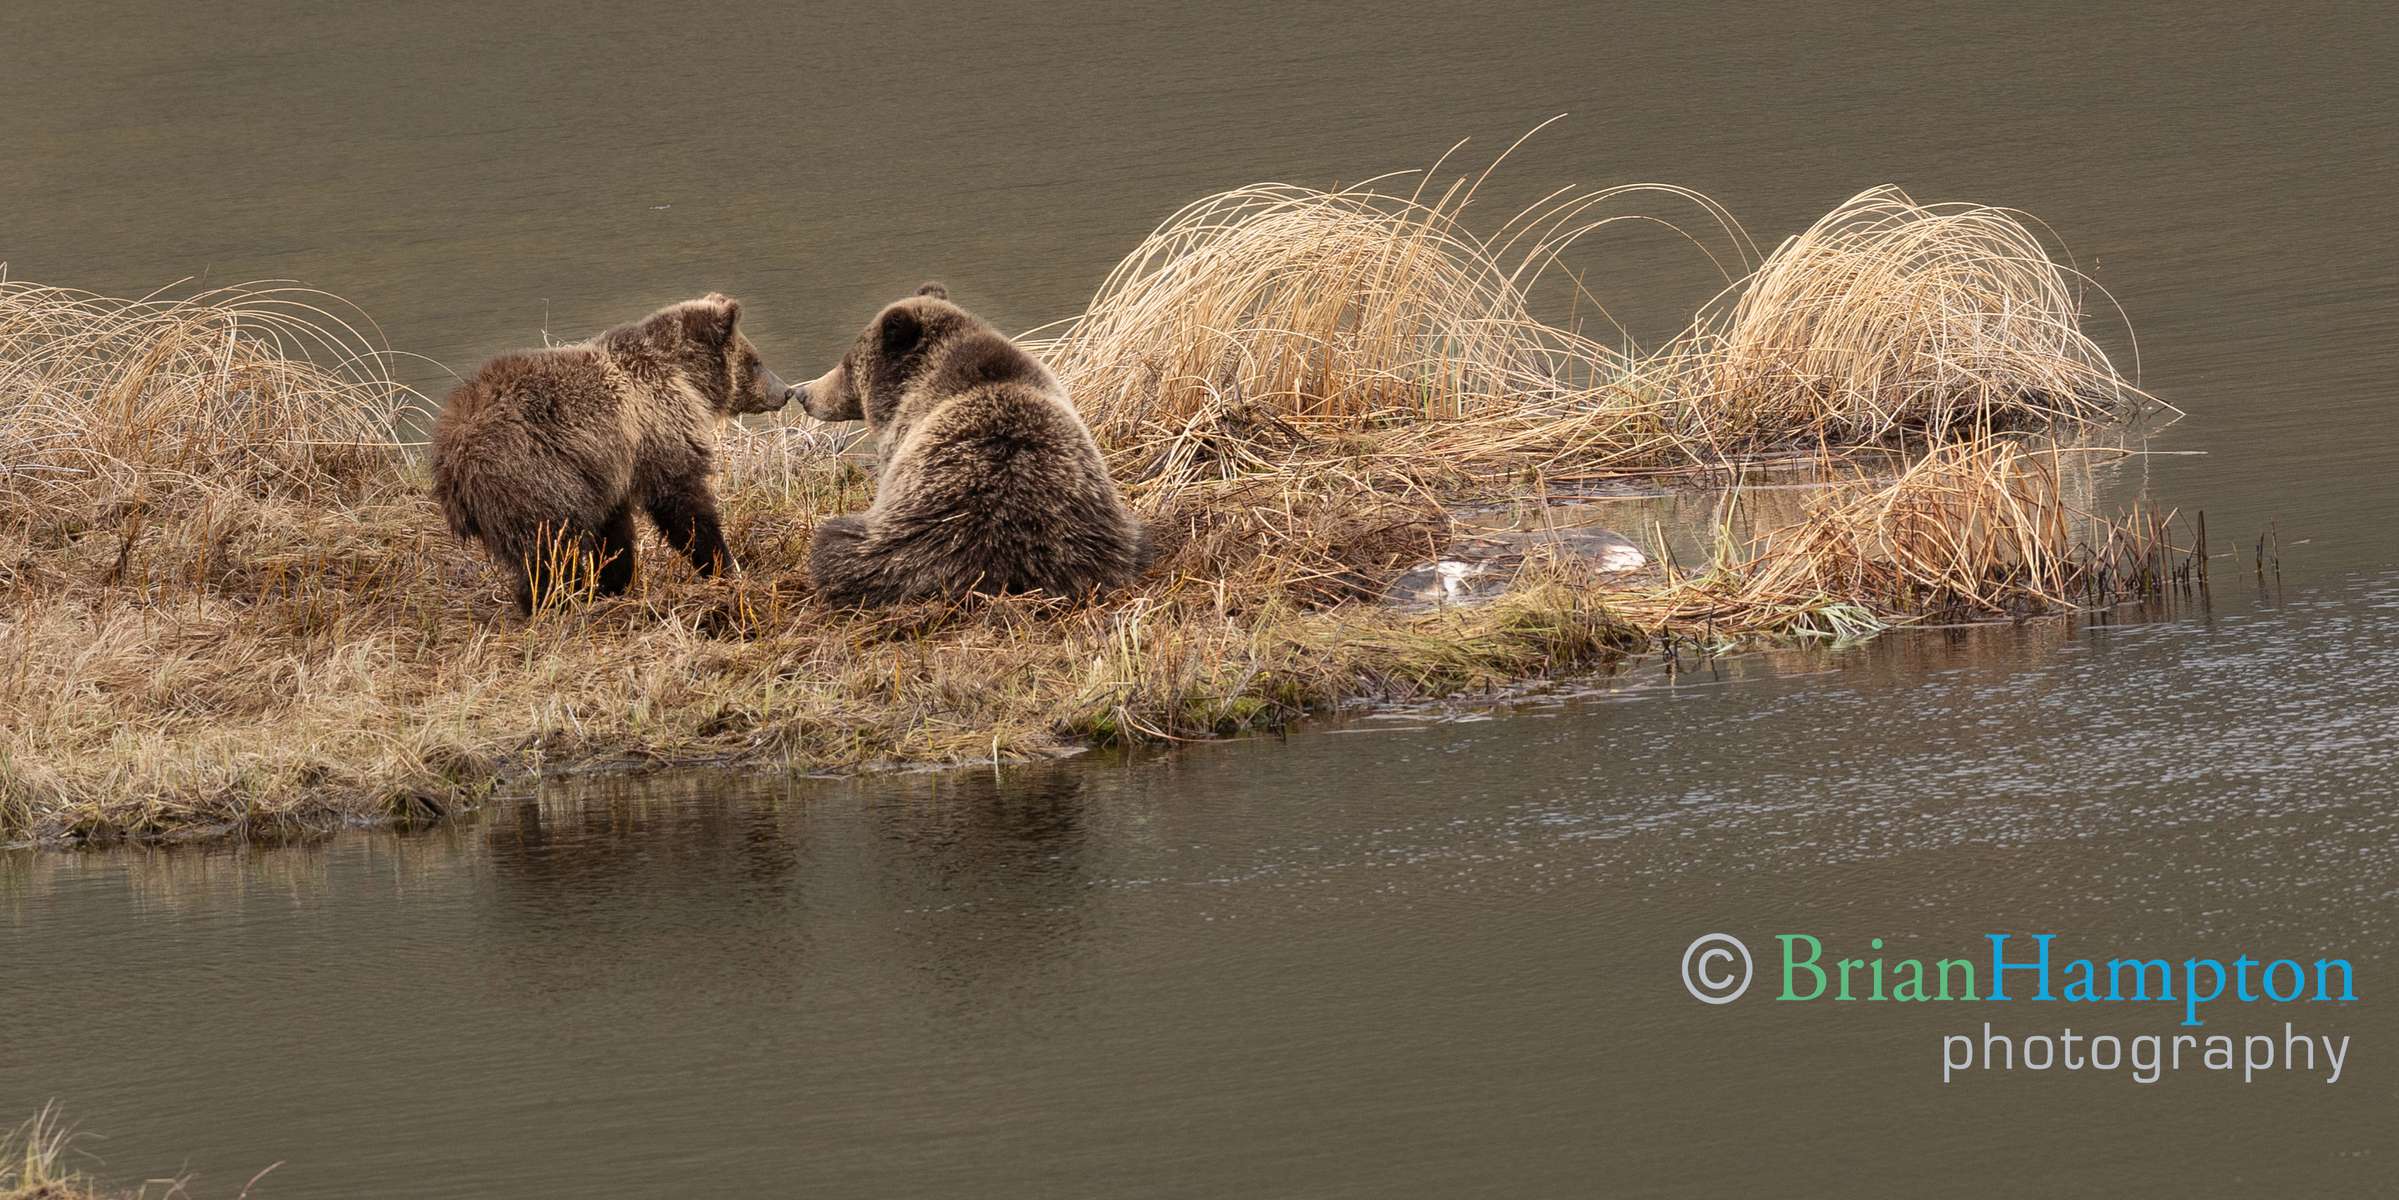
<point x="686" y="518"/>
<point x="616" y="551"/>
<point x="524" y="585"/>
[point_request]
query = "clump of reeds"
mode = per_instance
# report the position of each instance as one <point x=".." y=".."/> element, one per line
<point x="1889" y="318"/>
<point x="263" y="391"/>
<point x="1281" y="332"/>
<point x="33" y="1166"/>
<point x="1296" y="344"/>
<point x="30" y="1163"/>
<point x="1978" y="528"/>
<point x="1274" y="327"/>
<point x="150" y="438"/>
<point x="1313" y="309"/>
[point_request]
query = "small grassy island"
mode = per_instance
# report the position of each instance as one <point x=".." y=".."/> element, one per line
<point x="229" y="608"/>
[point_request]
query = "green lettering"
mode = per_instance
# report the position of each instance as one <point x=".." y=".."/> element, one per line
<point x="1911" y="976"/>
<point x="1791" y="965"/>
<point x="1963" y="964"/>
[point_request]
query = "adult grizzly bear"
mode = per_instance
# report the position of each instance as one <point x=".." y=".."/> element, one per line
<point x="544" y="455"/>
<point x="989" y="482"/>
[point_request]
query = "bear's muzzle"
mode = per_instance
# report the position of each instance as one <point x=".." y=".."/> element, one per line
<point x="778" y="393"/>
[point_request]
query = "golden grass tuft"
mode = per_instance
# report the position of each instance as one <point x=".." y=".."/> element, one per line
<point x="1889" y="318"/>
<point x="33" y="1166"/>
<point x="1337" y="310"/>
<point x="30" y="1161"/>
<point x="192" y="428"/>
<point x="229" y="607"/>
<point x="1276" y="327"/>
<point x="150" y="403"/>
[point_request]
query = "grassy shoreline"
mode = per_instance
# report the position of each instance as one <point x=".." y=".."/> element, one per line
<point x="34" y="1166"/>
<point x="231" y="610"/>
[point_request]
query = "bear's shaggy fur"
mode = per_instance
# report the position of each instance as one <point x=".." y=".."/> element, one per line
<point x="989" y="480"/>
<point x="544" y="455"/>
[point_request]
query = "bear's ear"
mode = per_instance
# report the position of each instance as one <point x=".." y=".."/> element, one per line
<point x="934" y="290"/>
<point x="712" y="318"/>
<point x="898" y="331"/>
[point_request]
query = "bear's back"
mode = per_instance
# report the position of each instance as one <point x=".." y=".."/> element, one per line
<point x="981" y="364"/>
<point x="999" y="481"/>
<point x="536" y="422"/>
<point x="560" y="384"/>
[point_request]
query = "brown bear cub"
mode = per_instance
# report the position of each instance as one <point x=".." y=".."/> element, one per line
<point x="544" y="455"/>
<point x="990" y="482"/>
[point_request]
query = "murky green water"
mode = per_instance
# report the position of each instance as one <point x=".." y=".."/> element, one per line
<point x="1428" y="955"/>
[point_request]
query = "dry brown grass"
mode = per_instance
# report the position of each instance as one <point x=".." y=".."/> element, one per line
<point x="30" y="1161"/>
<point x="159" y="406"/>
<point x="230" y="608"/>
<point x="1890" y="319"/>
<point x="33" y="1166"/>
<point x="1277" y="330"/>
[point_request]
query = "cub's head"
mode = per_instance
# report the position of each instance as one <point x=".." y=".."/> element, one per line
<point x="701" y="341"/>
<point x="903" y="341"/>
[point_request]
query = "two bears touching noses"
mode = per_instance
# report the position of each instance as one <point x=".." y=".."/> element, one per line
<point x="987" y="478"/>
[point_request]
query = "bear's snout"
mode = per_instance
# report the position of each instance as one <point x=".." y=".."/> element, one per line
<point x="778" y="393"/>
<point x="822" y="398"/>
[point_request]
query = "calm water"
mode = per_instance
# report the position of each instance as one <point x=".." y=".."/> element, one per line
<point x="1434" y="955"/>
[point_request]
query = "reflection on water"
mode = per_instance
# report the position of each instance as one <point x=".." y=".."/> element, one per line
<point x="1418" y="953"/>
<point x="980" y="874"/>
<point x="1694" y="520"/>
<point x="1405" y="954"/>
